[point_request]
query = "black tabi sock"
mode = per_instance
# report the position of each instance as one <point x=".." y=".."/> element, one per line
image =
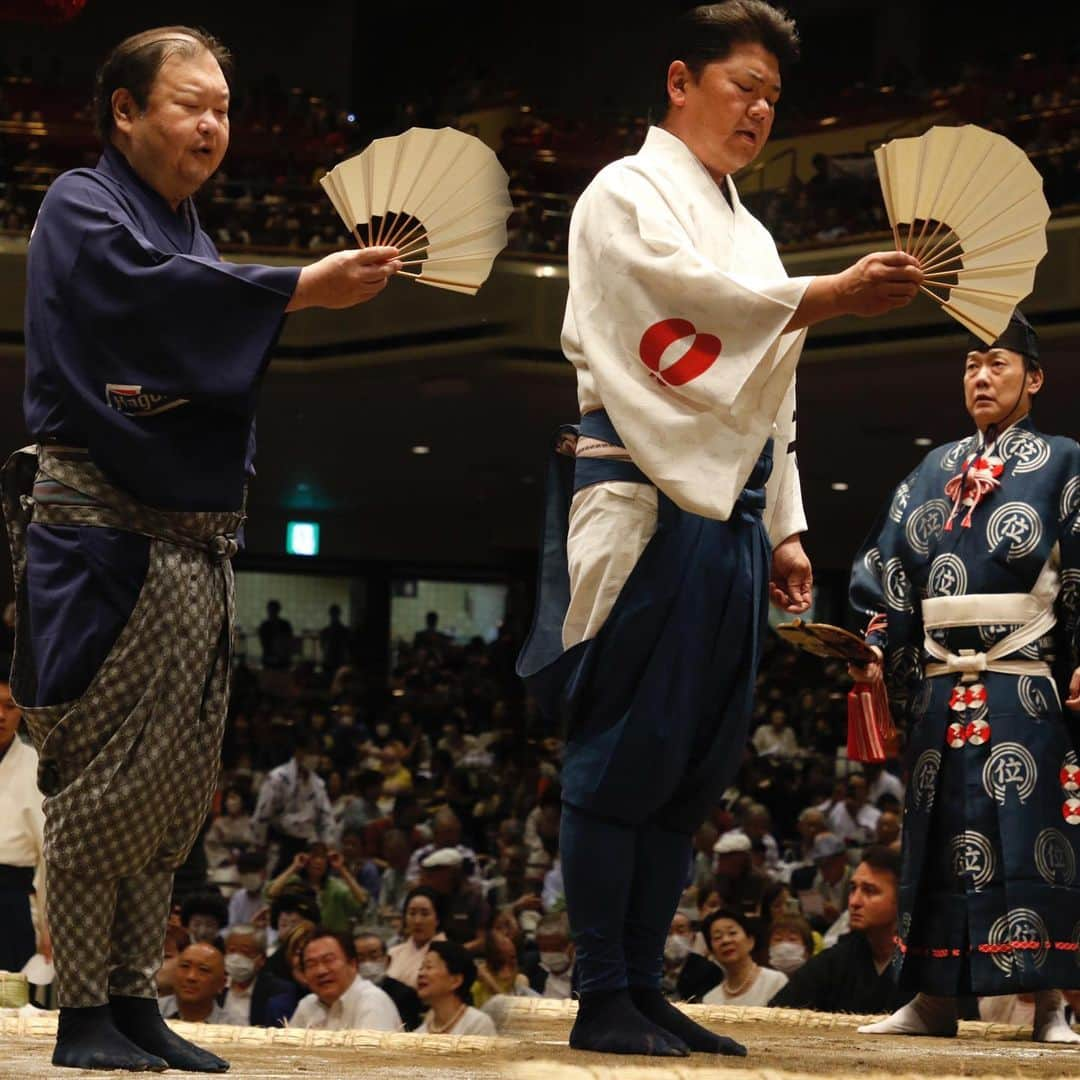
<point x="140" y="1020"/>
<point x="655" y="1007"/>
<point x="608" y="1023"/>
<point x="89" y="1039"/>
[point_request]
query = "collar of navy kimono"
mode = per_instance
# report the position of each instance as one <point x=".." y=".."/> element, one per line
<point x="178" y="226"/>
<point x="667" y="149"/>
<point x="1025" y="423"/>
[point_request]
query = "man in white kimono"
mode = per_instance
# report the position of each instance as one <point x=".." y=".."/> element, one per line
<point x="685" y="331"/>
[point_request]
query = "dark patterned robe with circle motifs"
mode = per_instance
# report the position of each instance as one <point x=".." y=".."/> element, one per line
<point x="990" y="894"/>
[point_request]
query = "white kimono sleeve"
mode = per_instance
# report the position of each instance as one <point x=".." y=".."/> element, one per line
<point x="784" y="515"/>
<point x="633" y="265"/>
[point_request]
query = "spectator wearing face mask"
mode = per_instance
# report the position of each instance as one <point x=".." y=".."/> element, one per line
<point x="791" y="944"/>
<point x="229" y="832"/>
<point x="254" y="998"/>
<point x="248" y="900"/>
<point x="293" y="809"/>
<point x="553" y="975"/>
<point x="372" y="964"/>
<point x="687" y="975"/>
<point x="204" y="916"/>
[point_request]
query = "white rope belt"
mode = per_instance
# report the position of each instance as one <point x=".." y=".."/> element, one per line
<point x="941" y="612"/>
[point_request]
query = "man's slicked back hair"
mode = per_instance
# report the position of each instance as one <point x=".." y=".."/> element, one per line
<point x="134" y="64"/>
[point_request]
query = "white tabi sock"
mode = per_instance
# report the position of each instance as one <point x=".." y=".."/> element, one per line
<point x="923" y="1015"/>
<point x="1050" y="1024"/>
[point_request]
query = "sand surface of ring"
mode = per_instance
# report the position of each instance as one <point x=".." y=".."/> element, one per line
<point x="783" y="1045"/>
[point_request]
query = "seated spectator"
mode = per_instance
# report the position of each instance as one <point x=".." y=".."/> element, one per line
<point x="422" y="926"/>
<point x="229" y="832"/>
<point x="200" y="978"/>
<point x="853" y="976"/>
<point x="508" y="888"/>
<point x="776" y="738"/>
<point x="396" y="777"/>
<point x="704" y="841"/>
<point x="255" y="998"/>
<point x="887" y="832"/>
<point x="340" y="896"/>
<point x="553" y="974"/>
<point x="444" y="983"/>
<point x="790" y="944"/>
<point x="687" y="975"/>
<point x="248" y="900"/>
<point x="879" y="781"/>
<point x="446" y="833"/>
<point x="824" y="896"/>
<point x="461" y="903"/>
<point x="286" y="913"/>
<point x="497" y="972"/>
<point x="809" y="824"/>
<point x="363" y="869"/>
<point x="372" y="964"/>
<point x="854" y="818"/>
<point x="745" y="982"/>
<point x="394" y="887"/>
<point x="204" y="916"/>
<point x="365" y="809"/>
<point x="284" y="961"/>
<point x="739" y="885"/>
<point x="177" y="940"/>
<point x="340" y="999"/>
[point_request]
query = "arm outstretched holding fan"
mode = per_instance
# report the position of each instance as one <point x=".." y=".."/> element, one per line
<point x="344" y="278"/>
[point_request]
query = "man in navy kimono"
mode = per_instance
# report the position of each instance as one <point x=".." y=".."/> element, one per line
<point x="144" y="356"/>
<point x="971" y="580"/>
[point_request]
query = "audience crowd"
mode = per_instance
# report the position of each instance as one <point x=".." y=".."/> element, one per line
<point x="390" y="860"/>
<point x="268" y="196"/>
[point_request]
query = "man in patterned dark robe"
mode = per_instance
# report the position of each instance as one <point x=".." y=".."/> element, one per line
<point x="971" y="582"/>
<point x="144" y="356"/>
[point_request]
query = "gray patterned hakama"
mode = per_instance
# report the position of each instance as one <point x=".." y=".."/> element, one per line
<point x="129" y="768"/>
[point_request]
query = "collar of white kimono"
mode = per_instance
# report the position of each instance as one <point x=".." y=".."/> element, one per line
<point x="662" y="146"/>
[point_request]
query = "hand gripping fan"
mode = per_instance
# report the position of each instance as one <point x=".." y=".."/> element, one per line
<point x="969" y="205"/>
<point x="872" y="734"/>
<point x="440" y="197"/>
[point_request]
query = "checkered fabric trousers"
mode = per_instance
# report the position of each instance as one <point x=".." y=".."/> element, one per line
<point x="129" y="769"/>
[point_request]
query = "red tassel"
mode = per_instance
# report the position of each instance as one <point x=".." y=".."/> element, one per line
<point x="872" y="736"/>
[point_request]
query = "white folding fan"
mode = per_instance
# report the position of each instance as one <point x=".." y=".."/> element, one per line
<point x="440" y="197"/>
<point x="969" y="205"/>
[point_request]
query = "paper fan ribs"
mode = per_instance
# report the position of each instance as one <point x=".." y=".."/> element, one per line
<point x="439" y="196"/>
<point x="969" y="205"/>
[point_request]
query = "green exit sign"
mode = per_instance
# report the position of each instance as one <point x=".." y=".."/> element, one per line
<point x="302" y="538"/>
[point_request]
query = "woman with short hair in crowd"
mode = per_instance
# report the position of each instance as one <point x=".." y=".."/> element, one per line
<point x="445" y="985"/>
<point x="731" y="940"/>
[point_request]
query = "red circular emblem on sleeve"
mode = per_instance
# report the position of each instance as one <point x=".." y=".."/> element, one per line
<point x="701" y="355"/>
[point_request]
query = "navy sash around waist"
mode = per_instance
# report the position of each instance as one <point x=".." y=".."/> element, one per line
<point x="589" y="471"/>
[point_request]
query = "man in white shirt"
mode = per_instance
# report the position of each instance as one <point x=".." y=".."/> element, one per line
<point x="293" y="808"/>
<point x="22" y="825"/>
<point x="854" y="819"/>
<point x="342" y="999"/>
